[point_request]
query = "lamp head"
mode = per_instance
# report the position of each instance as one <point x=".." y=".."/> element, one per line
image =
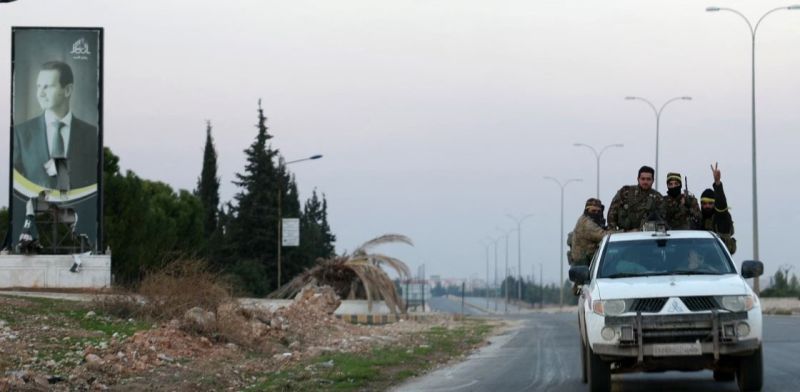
<point x="712" y="9"/>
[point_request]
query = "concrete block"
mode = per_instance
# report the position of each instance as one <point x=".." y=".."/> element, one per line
<point x="360" y="306"/>
<point x="52" y="271"/>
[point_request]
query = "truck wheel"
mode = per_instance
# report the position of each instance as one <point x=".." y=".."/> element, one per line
<point x="724" y="375"/>
<point x="599" y="372"/>
<point x="750" y="374"/>
<point x="584" y="375"/>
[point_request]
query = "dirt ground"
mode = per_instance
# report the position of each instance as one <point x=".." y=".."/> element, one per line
<point x="47" y="344"/>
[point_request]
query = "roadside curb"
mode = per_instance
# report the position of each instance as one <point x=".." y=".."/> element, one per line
<point x="380" y="319"/>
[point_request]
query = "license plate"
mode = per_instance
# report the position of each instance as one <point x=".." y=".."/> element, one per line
<point x="677" y="349"/>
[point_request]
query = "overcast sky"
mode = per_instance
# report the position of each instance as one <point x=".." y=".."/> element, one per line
<point x="439" y="118"/>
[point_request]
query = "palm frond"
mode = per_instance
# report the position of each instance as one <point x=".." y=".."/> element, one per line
<point x="384" y="239"/>
<point x="357" y="275"/>
<point x="396" y="264"/>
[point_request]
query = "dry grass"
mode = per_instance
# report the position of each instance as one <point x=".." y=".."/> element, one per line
<point x="181" y="285"/>
<point x="168" y="293"/>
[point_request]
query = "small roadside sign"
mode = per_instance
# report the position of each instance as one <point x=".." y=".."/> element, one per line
<point x="291" y="232"/>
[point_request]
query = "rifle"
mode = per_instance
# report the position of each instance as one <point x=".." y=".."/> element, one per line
<point x="685" y="188"/>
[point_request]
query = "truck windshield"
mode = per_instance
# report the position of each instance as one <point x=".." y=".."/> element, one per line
<point x="664" y="256"/>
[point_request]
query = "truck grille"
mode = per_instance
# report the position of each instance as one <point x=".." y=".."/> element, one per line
<point x="676" y="328"/>
<point x="697" y="304"/>
<point x="647" y="305"/>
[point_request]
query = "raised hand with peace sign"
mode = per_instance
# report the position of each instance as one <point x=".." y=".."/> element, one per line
<point x="716" y="173"/>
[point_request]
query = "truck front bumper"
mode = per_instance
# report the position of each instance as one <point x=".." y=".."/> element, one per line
<point x="715" y="333"/>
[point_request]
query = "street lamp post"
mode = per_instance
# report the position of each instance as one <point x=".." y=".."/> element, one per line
<point x="561" y="242"/>
<point x="494" y="290"/>
<point x="541" y="286"/>
<point x="598" y="155"/>
<point x="280" y="215"/>
<point x="657" y="112"/>
<point x="753" y="31"/>
<point x="519" y="251"/>
<point x="487" y="270"/>
<point x="505" y="235"/>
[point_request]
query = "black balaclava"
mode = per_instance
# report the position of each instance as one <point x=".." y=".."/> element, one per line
<point x="707" y="196"/>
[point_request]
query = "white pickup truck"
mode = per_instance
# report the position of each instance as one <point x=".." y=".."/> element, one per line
<point x="668" y="300"/>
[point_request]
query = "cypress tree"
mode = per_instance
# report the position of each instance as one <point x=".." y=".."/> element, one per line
<point x="208" y="185"/>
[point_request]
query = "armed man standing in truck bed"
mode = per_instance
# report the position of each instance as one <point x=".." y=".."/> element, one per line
<point x="633" y="205"/>
<point x="681" y="209"/>
<point x="715" y="214"/>
<point x="588" y="232"/>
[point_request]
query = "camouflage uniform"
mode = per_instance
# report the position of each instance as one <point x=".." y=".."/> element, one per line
<point x="720" y="221"/>
<point x="632" y="206"/>
<point x="586" y="239"/>
<point x="680" y="214"/>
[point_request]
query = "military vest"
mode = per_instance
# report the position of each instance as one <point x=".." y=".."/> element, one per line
<point x="635" y="207"/>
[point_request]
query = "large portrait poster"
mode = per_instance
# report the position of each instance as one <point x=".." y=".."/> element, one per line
<point x="56" y="139"/>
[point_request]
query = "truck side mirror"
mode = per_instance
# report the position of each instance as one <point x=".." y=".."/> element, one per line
<point x="752" y="269"/>
<point x="579" y="274"/>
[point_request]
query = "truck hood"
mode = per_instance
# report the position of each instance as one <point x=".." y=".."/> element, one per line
<point x="671" y="286"/>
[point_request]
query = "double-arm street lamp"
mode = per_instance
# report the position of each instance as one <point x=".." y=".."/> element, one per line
<point x="657" y="112"/>
<point x="280" y="213"/>
<point x="519" y="251"/>
<point x="598" y="155"/>
<point x="753" y="31"/>
<point x="561" y="242"/>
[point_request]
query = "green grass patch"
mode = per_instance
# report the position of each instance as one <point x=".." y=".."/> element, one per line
<point x="70" y="329"/>
<point x="380" y="368"/>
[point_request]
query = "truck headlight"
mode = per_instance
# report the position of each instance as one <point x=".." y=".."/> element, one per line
<point x="742" y="329"/>
<point x="737" y="303"/>
<point x="610" y="307"/>
<point x="608" y="333"/>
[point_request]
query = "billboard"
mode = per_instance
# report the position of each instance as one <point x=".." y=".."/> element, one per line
<point x="56" y="139"/>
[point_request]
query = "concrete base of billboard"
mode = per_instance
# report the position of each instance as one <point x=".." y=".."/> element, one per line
<point x="52" y="271"/>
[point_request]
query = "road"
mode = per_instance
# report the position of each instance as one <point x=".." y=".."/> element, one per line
<point x="540" y="353"/>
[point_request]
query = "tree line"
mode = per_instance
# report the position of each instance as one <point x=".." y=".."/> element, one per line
<point x="148" y="223"/>
<point x="531" y="293"/>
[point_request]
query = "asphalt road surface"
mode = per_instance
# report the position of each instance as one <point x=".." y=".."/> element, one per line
<point x="540" y="353"/>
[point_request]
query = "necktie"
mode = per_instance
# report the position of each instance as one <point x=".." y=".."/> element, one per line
<point x="60" y="156"/>
<point x="58" y="142"/>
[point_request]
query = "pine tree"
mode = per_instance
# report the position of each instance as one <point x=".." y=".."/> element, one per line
<point x="253" y="231"/>
<point x="328" y="238"/>
<point x="208" y="185"/>
<point x="316" y="240"/>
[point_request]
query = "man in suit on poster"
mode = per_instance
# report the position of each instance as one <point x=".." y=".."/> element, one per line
<point x="56" y="150"/>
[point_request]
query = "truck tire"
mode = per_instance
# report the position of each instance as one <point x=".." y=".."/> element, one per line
<point x="750" y="374"/>
<point x="599" y="372"/>
<point x="584" y="371"/>
<point x="724" y="375"/>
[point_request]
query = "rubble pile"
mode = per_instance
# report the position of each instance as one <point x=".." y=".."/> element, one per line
<point x="203" y="339"/>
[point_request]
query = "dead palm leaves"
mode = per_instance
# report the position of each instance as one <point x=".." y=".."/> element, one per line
<point x="356" y="276"/>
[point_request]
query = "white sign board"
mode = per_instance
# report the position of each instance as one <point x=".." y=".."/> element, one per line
<point x="291" y="232"/>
